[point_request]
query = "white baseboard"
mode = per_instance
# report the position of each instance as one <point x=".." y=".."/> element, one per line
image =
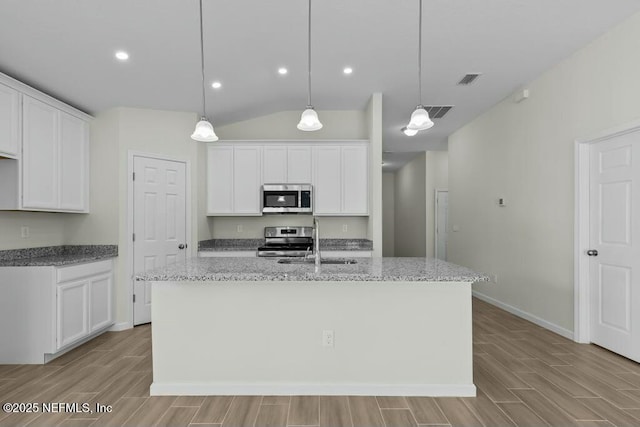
<point x="121" y="327"/>
<point x="277" y="389"/>
<point x="527" y="316"/>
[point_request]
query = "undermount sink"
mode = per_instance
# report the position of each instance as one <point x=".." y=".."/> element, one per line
<point x="312" y="261"/>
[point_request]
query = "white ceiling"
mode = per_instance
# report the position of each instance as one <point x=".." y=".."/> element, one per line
<point x="66" y="47"/>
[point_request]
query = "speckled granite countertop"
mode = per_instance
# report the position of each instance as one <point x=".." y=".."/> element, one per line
<point x="268" y="269"/>
<point x="56" y="255"/>
<point x="226" y="245"/>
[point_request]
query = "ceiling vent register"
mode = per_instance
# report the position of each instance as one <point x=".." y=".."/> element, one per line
<point x="437" y="111"/>
<point x="468" y="79"/>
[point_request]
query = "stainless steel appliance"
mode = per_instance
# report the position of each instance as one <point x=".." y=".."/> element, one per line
<point x="287" y="242"/>
<point x="287" y="198"/>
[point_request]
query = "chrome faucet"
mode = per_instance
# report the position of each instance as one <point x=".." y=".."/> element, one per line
<point x="316" y="242"/>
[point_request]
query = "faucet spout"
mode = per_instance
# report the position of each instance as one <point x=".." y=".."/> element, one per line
<point x="316" y="242"/>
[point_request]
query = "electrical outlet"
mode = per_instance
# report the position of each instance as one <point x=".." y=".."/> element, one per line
<point x="494" y="278"/>
<point x="239" y="228"/>
<point x="327" y="338"/>
<point x="345" y="228"/>
<point x="24" y="232"/>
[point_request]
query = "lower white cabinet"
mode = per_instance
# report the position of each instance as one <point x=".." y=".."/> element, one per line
<point x="45" y="311"/>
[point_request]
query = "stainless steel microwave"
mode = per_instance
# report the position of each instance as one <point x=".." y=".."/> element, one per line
<point x="287" y="198"/>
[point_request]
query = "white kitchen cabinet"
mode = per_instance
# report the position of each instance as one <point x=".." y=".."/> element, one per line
<point x="274" y="164"/>
<point x="55" y="158"/>
<point x="286" y="164"/>
<point x="247" y="176"/>
<point x="48" y="165"/>
<point x="9" y="122"/>
<point x="39" y="155"/>
<point x="327" y="180"/>
<point x="341" y="179"/>
<point x="219" y="180"/>
<point x="355" y="180"/>
<point x="299" y="164"/>
<point x="73" y="176"/>
<point x="234" y="178"/>
<point x="72" y="312"/>
<point x="45" y="311"/>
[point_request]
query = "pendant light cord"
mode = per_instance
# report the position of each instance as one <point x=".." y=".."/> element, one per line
<point x="309" y="58"/>
<point x="419" y="53"/>
<point x="204" y="102"/>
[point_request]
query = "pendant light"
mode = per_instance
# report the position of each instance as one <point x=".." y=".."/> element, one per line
<point x="420" y="117"/>
<point x="309" y="120"/>
<point x="204" y="130"/>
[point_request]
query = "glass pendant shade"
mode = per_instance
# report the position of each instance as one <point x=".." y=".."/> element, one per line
<point x="409" y="132"/>
<point x="419" y="119"/>
<point x="204" y="131"/>
<point x="309" y="120"/>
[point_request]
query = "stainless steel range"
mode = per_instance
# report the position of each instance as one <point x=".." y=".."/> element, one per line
<point x="287" y="242"/>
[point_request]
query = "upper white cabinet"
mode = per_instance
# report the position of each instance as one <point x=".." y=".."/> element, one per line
<point x="355" y="180"/>
<point x="341" y="179"/>
<point x="233" y="180"/>
<point x="327" y="180"/>
<point x="286" y="164"/>
<point x="55" y="158"/>
<point x="45" y="145"/>
<point x="338" y="171"/>
<point x="9" y="122"/>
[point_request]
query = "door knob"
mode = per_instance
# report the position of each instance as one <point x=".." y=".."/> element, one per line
<point x="181" y="246"/>
<point x="592" y="252"/>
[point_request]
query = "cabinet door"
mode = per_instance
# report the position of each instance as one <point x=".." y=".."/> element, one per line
<point x="355" y="180"/>
<point x="299" y="165"/>
<point x="247" y="174"/>
<point x="9" y="121"/>
<point x="100" y="309"/>
<point x="74" y="138"/>
<point x="72" y="312"/>
<point x="220" y="180"/>
<point x="40" y="155"/>
<point x="327" y="180"/>
<point x="274" y="165"/>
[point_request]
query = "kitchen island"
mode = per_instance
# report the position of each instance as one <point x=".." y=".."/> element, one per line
<point x="252" y="326"/>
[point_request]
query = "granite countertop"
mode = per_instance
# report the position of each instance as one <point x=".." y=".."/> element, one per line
<point x="56" y="255"/>
<point x="230" y="245"/>
<point x="268" y="269"/>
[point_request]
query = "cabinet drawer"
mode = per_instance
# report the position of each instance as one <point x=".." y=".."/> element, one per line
<point x="65" y="274"/>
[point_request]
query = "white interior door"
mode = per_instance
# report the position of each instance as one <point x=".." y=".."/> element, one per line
<point x="442" y="221"/>
<point x="615" y="235"/>
<point x="159" y="223"/>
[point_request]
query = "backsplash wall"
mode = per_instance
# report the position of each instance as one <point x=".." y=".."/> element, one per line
<point x="253" y="227"/>
<point x="45" y="229"/>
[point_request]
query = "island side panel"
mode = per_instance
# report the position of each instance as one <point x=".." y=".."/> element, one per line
<point x="243" y="338"/>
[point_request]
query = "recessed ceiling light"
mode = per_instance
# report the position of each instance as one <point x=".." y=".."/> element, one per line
<point x="216" y="85"/>
<point x="122" y="55"/>
<point x="347" y="70"/>
<point x="282" y="71"/>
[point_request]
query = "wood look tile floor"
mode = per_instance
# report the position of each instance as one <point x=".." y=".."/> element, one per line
<point x="525" y="375"/>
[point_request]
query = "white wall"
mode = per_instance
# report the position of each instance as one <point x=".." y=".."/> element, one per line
<point x="282" y="125"/>
<point x="45" y="229"/>
<point x="524" y="153"/>
<point x="113" y="134"/>
<point x="436" y="177"/>
<point x="388" y="214"/>
<point x="374" y="125"/>
<point x="410" y="208"/>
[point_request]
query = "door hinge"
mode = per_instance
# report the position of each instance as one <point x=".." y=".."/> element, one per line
<point x="134" y="176"/>
<point x="134" y="298"/>
<point x="134" y="237"/>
